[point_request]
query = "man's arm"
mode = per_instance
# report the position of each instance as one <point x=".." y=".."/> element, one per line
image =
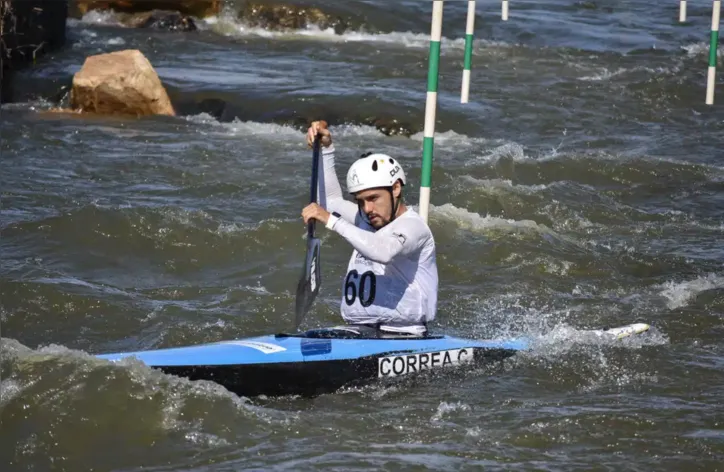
<point x="329" y="191"/>
<point x="382" y="246"/>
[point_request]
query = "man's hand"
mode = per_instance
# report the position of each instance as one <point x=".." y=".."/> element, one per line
<point x="314" y="211"/>
<point x="319" y="128"/>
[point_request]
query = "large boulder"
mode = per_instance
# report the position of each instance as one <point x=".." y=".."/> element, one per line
<point x="121" y="82"/>
<point x="197" y="8"/>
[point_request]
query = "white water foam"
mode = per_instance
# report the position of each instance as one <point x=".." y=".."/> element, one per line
<point x="355" y="130"/>
<point x="88" y="38"/>
<point x="697" y="49"/>
<point x="100" y="17"/>
<point x="605" y="74"/>
<point x="445" y="408"/>
<point x="274" y="131"/>
<point x="504" y="185"/>
<point x="9" y="390"/>
<point x="473" y="221"/>
<point x="453" y="139"/>
<point x="514" y="151"/>
<point x="228" y="24"/>
<point x="681" y="293"/>
<point x="245" y="128"/>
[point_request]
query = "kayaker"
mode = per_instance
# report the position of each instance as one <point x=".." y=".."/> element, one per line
<point x="391" y="280"/>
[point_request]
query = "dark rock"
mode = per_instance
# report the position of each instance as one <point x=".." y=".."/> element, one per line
<point x="162" y="20"/>
<point x="277" y="17"/>
<point x="197" y="8"/>
<point x="390" y="126"/>
<point x="214" y="107"/>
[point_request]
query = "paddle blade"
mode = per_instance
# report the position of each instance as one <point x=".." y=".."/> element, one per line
<point x="309" y="283"/>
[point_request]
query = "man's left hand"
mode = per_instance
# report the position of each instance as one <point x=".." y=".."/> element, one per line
<point x="314" y="211"/>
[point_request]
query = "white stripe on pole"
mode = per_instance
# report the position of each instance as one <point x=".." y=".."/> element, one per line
<point x="710" y="80"/>
<point x="430" y="105"/>
<point x="424" y="202"/>
<point x="505" y="10"/>
<point x="711" y="77"/>
<point x="682" y="11"/>
<point x="436" y="28"/>
<point x="465" y="94"/>
<point x="469" y="30"/>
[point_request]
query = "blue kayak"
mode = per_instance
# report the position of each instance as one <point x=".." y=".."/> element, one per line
<point x="320" y="360"/>
<point x="324" y="360"/>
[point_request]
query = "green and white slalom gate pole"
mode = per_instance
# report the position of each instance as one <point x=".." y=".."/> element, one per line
<point x="504" y="13"/>
<point x="711" y="79"/>
<point x="682" y="11"/>
<point x="469" y="28"/>
<point x="430" y="106"/>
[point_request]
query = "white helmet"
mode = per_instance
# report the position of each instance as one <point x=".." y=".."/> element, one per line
<point x="373" y="171"/>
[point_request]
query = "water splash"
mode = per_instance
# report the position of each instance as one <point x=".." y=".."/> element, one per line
<point x="679" y="294"/>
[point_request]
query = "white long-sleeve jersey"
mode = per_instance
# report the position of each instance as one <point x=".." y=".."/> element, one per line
<point x="392" y="274"/>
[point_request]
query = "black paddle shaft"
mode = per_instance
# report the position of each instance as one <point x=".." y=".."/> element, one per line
<point x="315" y="179"/>
<point x="309" y="283"/>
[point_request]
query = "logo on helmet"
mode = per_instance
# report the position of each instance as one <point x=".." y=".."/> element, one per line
<point x="354" y="179"/>
<point x="394" y="171"/>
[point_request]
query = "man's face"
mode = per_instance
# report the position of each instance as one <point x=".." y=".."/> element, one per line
<point x="376" y="203"/>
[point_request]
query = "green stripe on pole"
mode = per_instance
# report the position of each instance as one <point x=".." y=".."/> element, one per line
<point x="426" y="177"/>
<point x="433" y="66"/>
<point x="468" y="51"/>
<point x="713" y="47"/>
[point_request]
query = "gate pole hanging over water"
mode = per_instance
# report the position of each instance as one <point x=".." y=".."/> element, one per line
<point x="682" y="11"/>
<point x="711" y="78"/>
<point x="504" y="14"/>
<point x="469" y="29"/>
<point x="430" y="106"/>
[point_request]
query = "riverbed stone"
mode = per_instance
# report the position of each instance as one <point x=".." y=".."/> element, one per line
<point x="122" y="82"/>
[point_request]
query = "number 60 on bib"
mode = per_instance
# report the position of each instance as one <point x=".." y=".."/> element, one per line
<point x="362" y="287"/>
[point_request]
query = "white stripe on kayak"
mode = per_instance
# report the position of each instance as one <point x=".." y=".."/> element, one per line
<point x="266" y="348"/>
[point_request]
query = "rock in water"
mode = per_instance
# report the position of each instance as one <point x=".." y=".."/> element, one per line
<point x="280" y="16"/>
<point x="197" y="8"/>
<point x="121" y="82"/>
<point x="170" y="22"/>
<point x="162" y="20"/>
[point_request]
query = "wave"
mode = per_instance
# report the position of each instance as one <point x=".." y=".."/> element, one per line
<point x="679" y="294"/>
<point x="227" y="24"/>
<point x="606" y="74"/>
<point x="473" y="221"/>
<point x="274" y="131"/>
<point x="701" y="49"/>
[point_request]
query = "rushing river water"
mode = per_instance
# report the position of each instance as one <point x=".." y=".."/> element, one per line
<point x="582" y="186"/>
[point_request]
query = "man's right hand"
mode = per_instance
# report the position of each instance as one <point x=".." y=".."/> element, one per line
<point x="319" y="127"/>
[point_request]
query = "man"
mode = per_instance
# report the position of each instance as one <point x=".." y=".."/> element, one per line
<point x="391" y="280"/>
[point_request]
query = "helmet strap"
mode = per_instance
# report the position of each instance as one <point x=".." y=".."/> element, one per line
<point x="395" y="204"/>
